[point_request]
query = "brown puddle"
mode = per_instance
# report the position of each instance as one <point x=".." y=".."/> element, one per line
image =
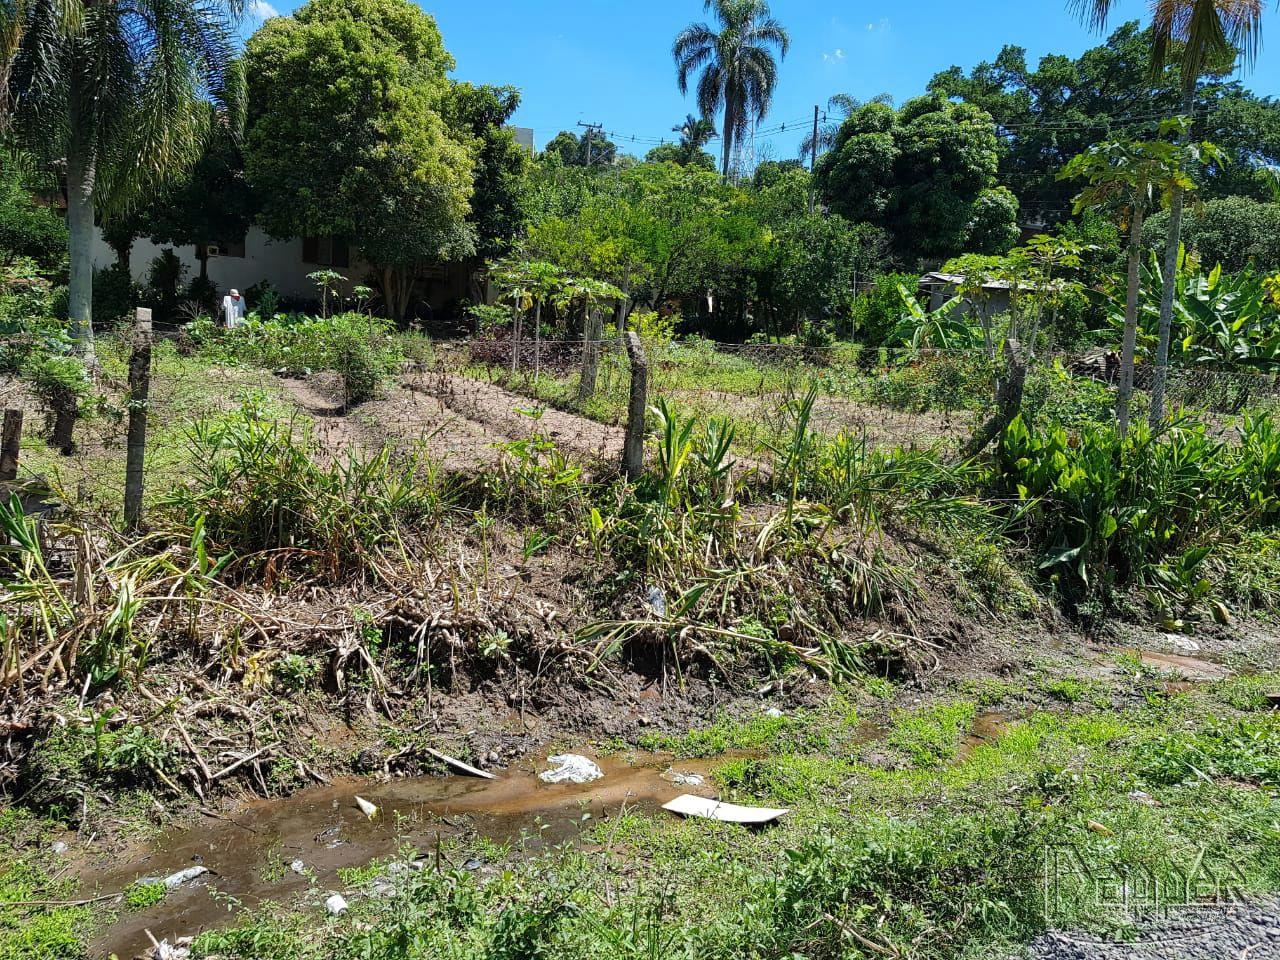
<point x="249" y="853"/>
<point x="988" y="727"/>
<point x="1186" y="668"/>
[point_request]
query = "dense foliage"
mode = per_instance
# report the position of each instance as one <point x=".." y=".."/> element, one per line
<point x="1048" y="113"/>
<point x="926" y="173"/>
<point x="347" y="136"/>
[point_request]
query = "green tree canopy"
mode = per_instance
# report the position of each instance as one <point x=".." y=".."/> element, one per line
<point x="926" y="173"/>
<point x="346" y="136"/>
<point x="1053" y="111"/>
<point x="1232" y="231"/>
<point x="572" y="151"/>
<point x="499" y="205"/>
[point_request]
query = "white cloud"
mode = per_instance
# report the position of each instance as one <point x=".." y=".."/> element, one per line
<point x="261" y="10"/>
<point x="836" y="55"/>
<point x="880" y="26"/>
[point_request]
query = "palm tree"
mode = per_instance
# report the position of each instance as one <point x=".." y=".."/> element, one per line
<point x="842" y="105"/>
<point x="120" y="91"/>
<point x="739" y="72"/>
<point x="695" y="133"/>
<point x="1205" y="32"/>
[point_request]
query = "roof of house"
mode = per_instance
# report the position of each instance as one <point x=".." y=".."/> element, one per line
<point x="956" y="279"/>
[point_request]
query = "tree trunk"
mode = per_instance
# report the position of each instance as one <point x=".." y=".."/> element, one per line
<point x="1169" y="286"/>
<point x="1008" y="402"/>
<point x="537" y="340"/>
<point x="1129" y="344"/>
<point x="397" y="287"/>
<point x="728" y="137"/>
<point x="80" y="180"/>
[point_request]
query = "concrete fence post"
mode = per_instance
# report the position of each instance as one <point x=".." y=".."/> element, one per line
<point x="637" y="409"/>
<point x="10" y="444"/>
<point x="136" y="443"/>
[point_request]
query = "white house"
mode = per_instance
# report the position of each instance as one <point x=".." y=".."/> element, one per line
<point x="285" y="264"/>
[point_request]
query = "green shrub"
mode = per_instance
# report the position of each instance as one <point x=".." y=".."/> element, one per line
<point x="115" y="295"/>
<point x="358" y="347"/>
<point x="257" y="486"/>
<point x="28" y="229"/>
<point x="877" y="311"/>
<point x="1147" y="510"/>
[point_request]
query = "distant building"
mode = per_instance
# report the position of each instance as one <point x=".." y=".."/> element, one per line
<point x="285" y="264"/>
<point x="995" y="298"/>
<point x="524" y="137"/>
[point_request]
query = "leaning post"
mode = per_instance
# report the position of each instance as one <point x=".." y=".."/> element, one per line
<point x="10" y="445"/>
<point x="136" y="444"/>
<point x="637" y="408"/>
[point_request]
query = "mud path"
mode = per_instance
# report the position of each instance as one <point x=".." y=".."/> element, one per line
<point x="517" y="417"/>
<point x="461" y="423"/>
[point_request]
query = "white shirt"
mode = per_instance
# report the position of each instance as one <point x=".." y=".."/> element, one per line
<point x="232" y="311"/>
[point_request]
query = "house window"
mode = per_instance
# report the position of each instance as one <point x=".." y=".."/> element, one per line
<point x="226" y="248"/>
<point x="326" y="251"/>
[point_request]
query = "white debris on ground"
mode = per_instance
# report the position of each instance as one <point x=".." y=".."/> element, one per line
<point x="570" y="768"/>
<point x="298" y="867"/>
<point x="370" y="810"/>
<point x="180" y="949"/>
<point x="683" y="779"/>
<point x="336" y="905"/>
<point x="773" y="712"/>
<point x="175" y="880"/>
<point x="59" y="847"/>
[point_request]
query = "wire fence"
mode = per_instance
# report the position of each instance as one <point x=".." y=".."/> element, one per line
<point x="463" y="404"/>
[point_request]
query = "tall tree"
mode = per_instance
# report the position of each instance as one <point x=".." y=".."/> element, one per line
<point x="839" y="108"/>
<point x="1127" y="176"/>
<point x="1200" y="33"/>
<point x="926" y="173"/>
<point x="739" y="72"/>
<point x="120" y="90"/>
<point x="346" y="137"/>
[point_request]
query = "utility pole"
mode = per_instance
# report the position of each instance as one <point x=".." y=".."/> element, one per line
<point x="813" y="156"/>
<point x="592" y="130"/>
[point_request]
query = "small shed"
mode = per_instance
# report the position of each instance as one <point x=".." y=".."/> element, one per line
<point x="943" y="287"/>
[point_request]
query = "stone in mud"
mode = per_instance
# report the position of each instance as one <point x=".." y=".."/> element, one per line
<point x="175" y="880"/>
<point x="570" y="768"/>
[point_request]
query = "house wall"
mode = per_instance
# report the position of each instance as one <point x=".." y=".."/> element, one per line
<point x="279" y="262"/>
<point x="993" y="302"/>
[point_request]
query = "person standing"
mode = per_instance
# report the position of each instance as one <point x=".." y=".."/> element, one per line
<point x="233" y="309"/>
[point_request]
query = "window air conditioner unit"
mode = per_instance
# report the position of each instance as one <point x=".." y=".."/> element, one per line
<point x="213" y="251"/>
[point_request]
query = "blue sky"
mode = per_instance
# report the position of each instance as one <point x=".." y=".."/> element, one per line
<point x="609" y="61"/>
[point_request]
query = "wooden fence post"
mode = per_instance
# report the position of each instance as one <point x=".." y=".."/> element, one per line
<point x="136" y="444"/>
<point x="592" y="326"/>
<point x="10" y="444"/>
<point x="637" y="409"/>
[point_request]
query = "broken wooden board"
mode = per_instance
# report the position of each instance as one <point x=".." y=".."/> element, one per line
<point x="687" y="805"/>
